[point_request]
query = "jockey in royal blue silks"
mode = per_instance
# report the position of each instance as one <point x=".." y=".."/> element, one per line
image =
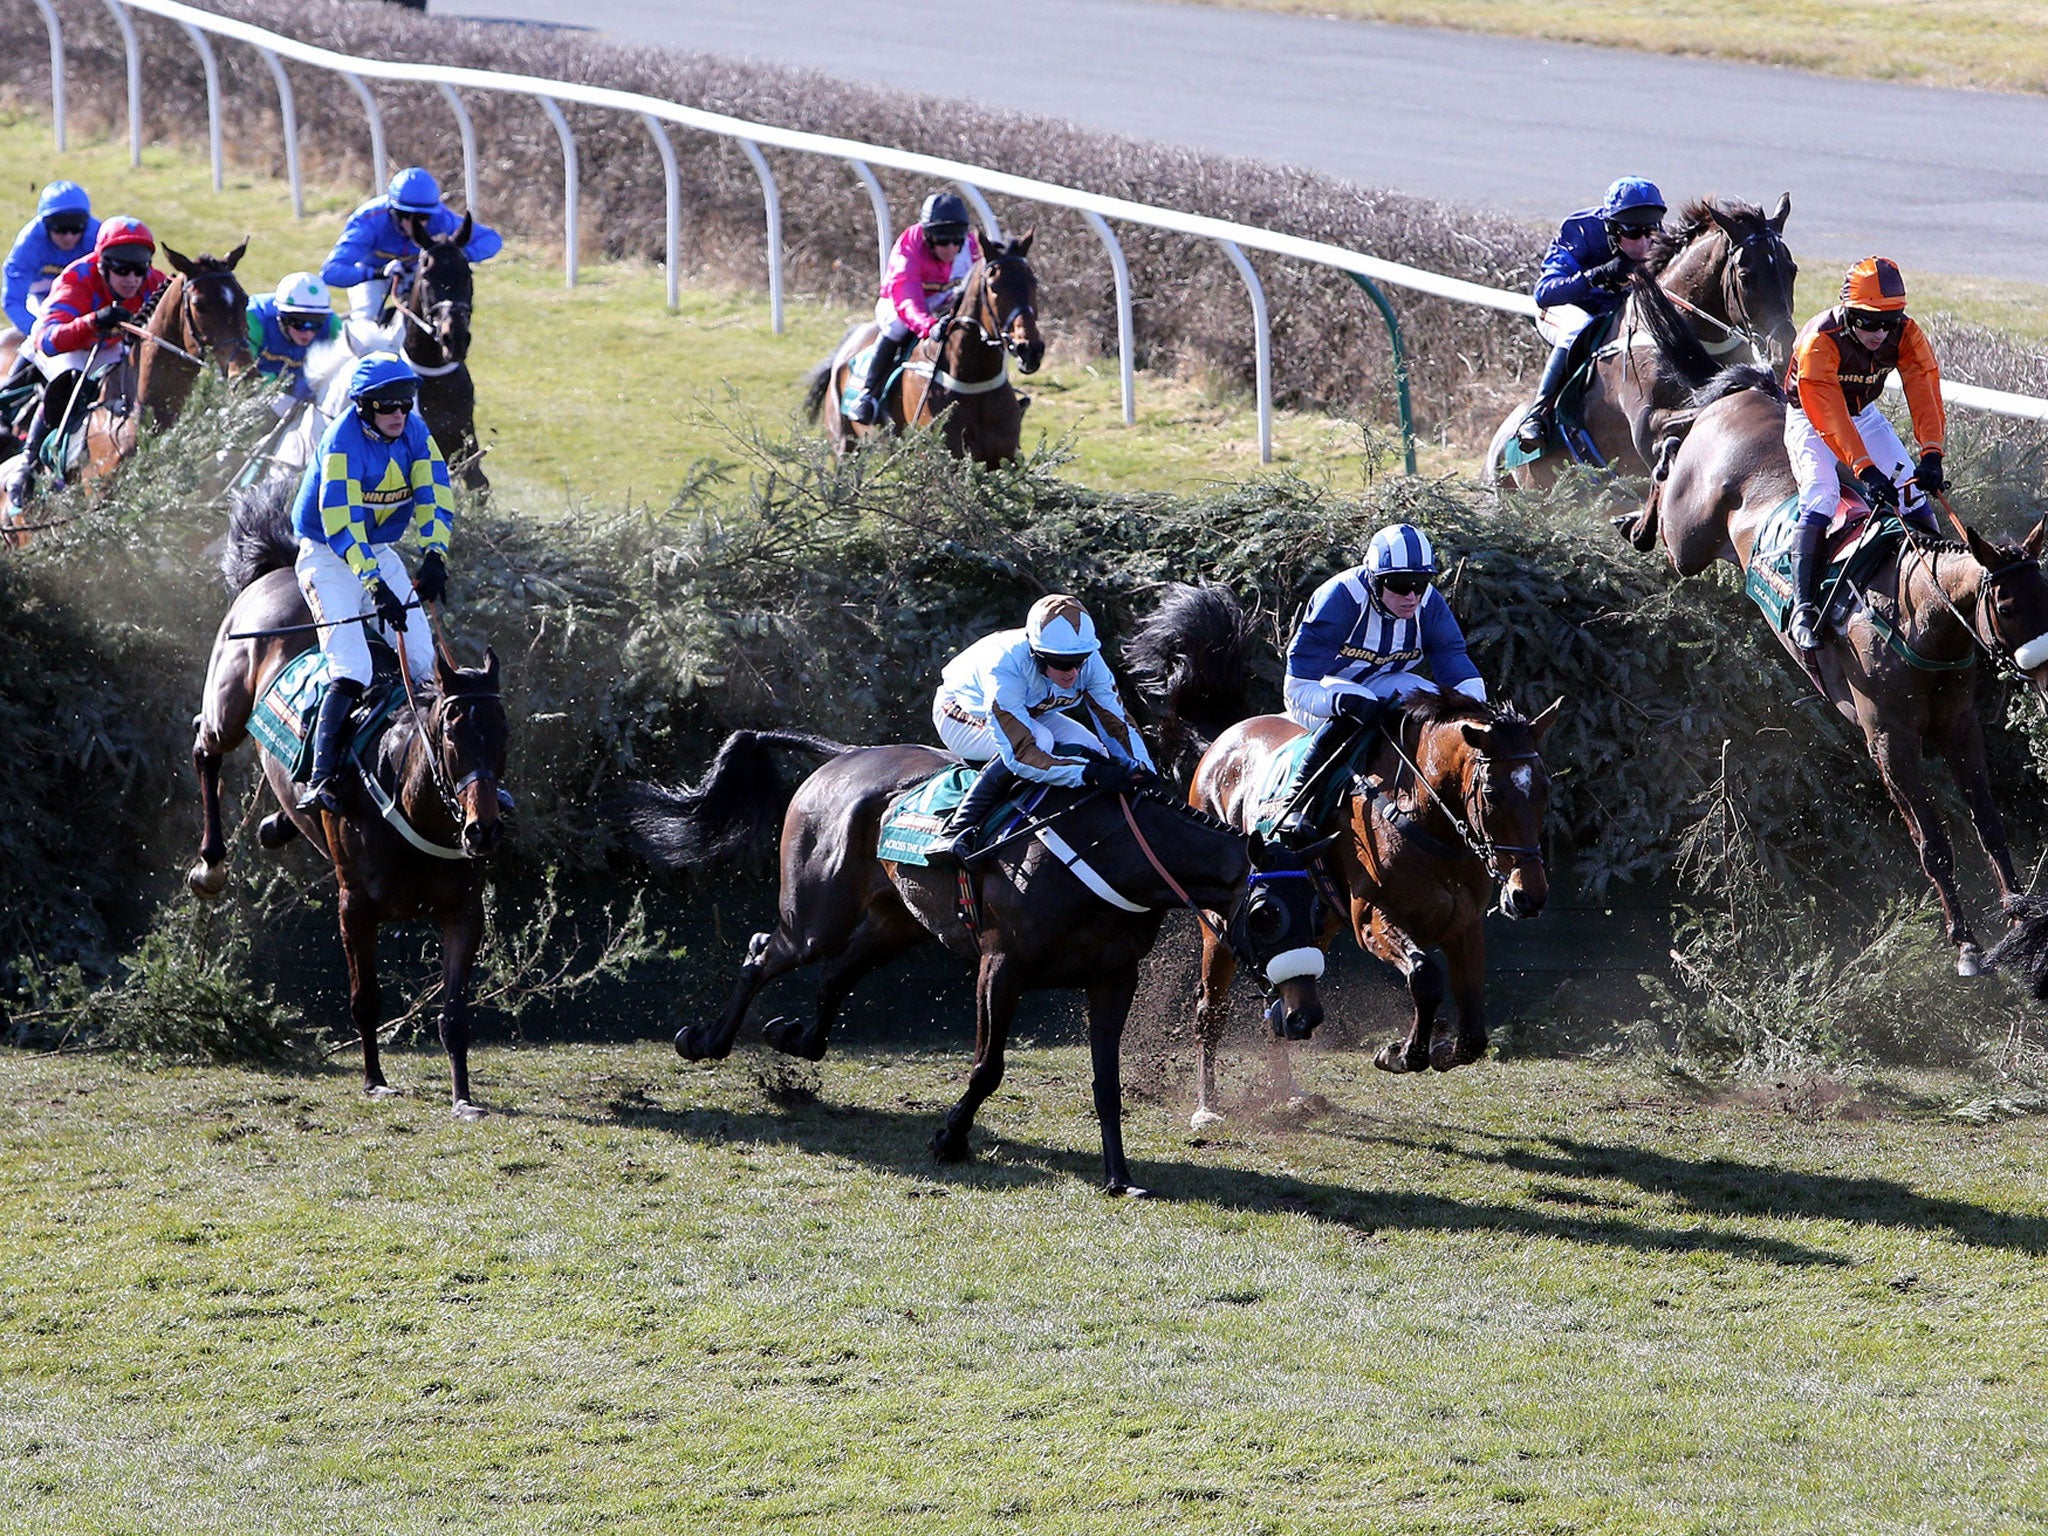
<point x="383" y="238"/>
<point x="1584" y="272"/>
<point x="62" y="231"/>
<point x="1005" y="702"/>
<point x="284" y="325"/>
<point x="376" y="477"/>
<point x="1351" y="662"/>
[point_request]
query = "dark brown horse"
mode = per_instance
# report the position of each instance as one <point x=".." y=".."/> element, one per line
<point x="438" y="764"/>
<point x="1904" y="669"/>
<point x="1726" y="268"/>
<point x="436" y="309"/>
<point x="1039" y="924"/>
<point x="960" y="373"/>
<point x="202" y="317"/>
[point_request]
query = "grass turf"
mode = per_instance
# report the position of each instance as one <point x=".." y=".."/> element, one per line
<point x="642" y="1296"/>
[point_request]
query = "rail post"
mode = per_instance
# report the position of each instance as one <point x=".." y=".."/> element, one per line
<point x="56" y="31"/>
<point x="211" y="66"/>
<point x="1262" y="346"/>
<point x="131" y="46"/>
<point x="885" y="237"/>
<point x="773" y="199"/>
<point x="672" y="191"/>
<point x="1122" y="271"/>
<point x="378" y="168"/>
<point x="989" y="221"/>
<point x="571" y="182"/>
<point x="288" y="109"/>
<point x="468" y="131"/>
<point x="1372" y="290"/>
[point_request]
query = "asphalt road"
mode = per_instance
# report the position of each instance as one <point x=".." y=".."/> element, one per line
<point x="1951" y="181"/>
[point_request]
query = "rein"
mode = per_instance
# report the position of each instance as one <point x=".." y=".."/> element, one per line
<point x="2004" y="664"/>
<point x="1474" y="836"/>
<point x="990" y="329"/>
<point x="1173" y="885"/>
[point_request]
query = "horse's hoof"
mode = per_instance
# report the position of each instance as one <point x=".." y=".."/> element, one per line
<point x="1443" y="1055"/>
<point x="1970" y="961"/>
<point x="1204" y="1119"/>
<point x="466" y="1112"/>
<point x="1393" y="1057"/>
<point x="206" y="880"/>
<point x="690" y="1048"/>
<point x="380" y="1091"/>
<point x="948" y="1148"/>
<point x="275" y="830"/>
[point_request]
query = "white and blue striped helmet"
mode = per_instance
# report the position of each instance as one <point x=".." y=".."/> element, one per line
<point x="1399" y="547"/>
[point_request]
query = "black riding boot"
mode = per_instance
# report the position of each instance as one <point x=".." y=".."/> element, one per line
<point x="1805" y="621"/>
<point x="21" y="480"/>
<point x="867" y="405"/>
<point x="1536" y="427"/>
<point x="1301" y="823"/>
<point x="963" y="828"/>
<point x="329" y="733"/>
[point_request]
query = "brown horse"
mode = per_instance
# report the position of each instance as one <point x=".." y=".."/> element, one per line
<point x="1904" y="669"/>
<point x="202" y="317"/>
<point x="1726" y="267"/>
<point x="1040" y="925"/>
<point x="959" y="375"/>
<point x="438" y="765"/>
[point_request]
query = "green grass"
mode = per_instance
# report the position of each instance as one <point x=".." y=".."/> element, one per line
<point x="642" y="1297"/>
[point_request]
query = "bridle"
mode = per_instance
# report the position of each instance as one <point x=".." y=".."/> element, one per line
<point x="1740" y="329"/>
<point x="990" y="329"/>
<point x="1478" y="804"/>
<point x="443" y="312"/>
<point x="2003" y="658"/>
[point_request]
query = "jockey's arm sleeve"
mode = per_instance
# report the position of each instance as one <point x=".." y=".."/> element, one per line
<point x="343" y="518"/>
<point x="351" y="262"/>
<point x="484" y="243"/>
<point x="1313" y="653"/>
<point x="1443" y="642"/>
<point x="1562" y="281"/>
<point x="1921" y="376"/>
<point x="1819" y="363"/>
<point x="64" y="331"/>
<point x="433" y="503"/>
<point x="21" y="275"/>
<point x="1098" y="686"/>
<point x="1017" y="745"/>
<point x="253" y="324"/>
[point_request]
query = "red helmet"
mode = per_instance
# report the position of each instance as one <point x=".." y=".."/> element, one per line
<point x="122" y="230"/>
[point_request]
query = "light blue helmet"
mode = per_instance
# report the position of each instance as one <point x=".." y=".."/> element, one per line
<point x="1633" y="194"/>
<point x="1400" y="547"/>
<point x="381" y="376"/>
<point x="63" y="197"/>
<point x="413" y="190"/>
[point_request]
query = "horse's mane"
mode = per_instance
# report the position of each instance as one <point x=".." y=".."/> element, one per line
<point x="1438" y="708"/>
<point x="1694" y="218"/>
<point x="1733" y="380"/>
<point x="1190" y="657"/>
<point x="259" y="537"/>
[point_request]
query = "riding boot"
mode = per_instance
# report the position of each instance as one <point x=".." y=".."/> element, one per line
<point x="1917" y="513"/>
<point x="962" y="832"/>
<point x="867" y="405"/>
<point x="330" y="731"/>
<point x="20" y="484"/>
<point x="1805" y="622"/>
<point x="1537" y="427"/>
<point x="1301" y="823"/>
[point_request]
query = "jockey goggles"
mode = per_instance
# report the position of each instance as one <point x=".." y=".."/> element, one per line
<point x="1052" y="662"/>
<point x="65" y="224"/>
<point x="1874" y="319"/>
<point x="1405" y="583"/>
<point x="388" y="405"/>
<point x="124" y="266"/>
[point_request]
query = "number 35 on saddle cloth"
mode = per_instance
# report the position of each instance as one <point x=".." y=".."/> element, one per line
<point x="282" y="721"/>
<point x="914" y="820"/>
<point x="1848" y="558"/>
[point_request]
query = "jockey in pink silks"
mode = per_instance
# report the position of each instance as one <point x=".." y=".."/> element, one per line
<point x="926" y="269"/>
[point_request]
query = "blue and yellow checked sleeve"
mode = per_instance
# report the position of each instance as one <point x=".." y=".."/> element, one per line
<point x="344" y="516"/>
<point x="433" y="504"/>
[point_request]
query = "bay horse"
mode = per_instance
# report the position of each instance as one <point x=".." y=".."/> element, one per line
<point x="959" y="375"/>
<point x="439" y="764"/>
<point x="1039" y="925"/>
<point x="1904" y="669"/>
<point x="1726" y="267"/>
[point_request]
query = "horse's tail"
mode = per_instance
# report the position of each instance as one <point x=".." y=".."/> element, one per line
<point x="2025" y="949"/>
<point x="260" y="534"/>
<point x="737" y="804"/>
<point x="1192" y="658"/>
<point x="818" y="382"/>
<point x="1676" y="344"/>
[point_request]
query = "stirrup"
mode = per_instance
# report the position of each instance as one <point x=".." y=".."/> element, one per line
<point x="319" y="796"/>
<point x="864" y="410"/>
<point x="955" y="852"/>
<point x="1536" y="430"/>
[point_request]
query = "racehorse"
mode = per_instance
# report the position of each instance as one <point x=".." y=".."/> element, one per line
<point x="436" y="311"/>
<point x="1904" y="668"/>
<point x="203" y="315"/>
<point x="1457" y="808"/>
<point x="960" y="373"/>
<point x="1726" y="266"/>
<point x="438" y="766"/>
<point x="1042" y="921"/>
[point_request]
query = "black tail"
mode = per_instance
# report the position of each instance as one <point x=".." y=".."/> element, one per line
<point x="1676" y="343"/>
<point x="1192" y="658"/>
<point x="2024" y="951"/>
<point x="1733" y="380"/>
<point x="818" y="382"/>
<point x="260" y="535"/>
<point x="736" y="806"/>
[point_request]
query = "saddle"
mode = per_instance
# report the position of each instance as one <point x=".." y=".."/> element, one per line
<point x="1848" y="558"/>
<point x="914" y="819"/>
<point x="282" y="721"/>
<point x="857" y="369"/>
<point x="1276" y="787"/>
<point x="1592" y="344"/>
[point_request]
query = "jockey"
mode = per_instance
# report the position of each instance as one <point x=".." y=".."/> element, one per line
<point x="1004" y="701"/>
<point x="383" y="237"/>
<point x="81" y="328"/>
<point x="1584" y="271"/>
<point x="1348" y="667"/>
<point x="1839" y="364"/>
<point x="930" y="261"/>
<point x="62" y="229"/>
<point x="376" y="476"/>
<point x="285" y="324"/>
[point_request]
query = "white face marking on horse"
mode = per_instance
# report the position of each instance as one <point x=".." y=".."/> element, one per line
<point x="1524" y="779"/>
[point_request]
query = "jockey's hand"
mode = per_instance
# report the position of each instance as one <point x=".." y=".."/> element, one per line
<point x="395" y="269"/>
<point x="1878" y="489"/>
<point x="1106" y="773"/>
<point x="430" y="581"/>
<point x="109" y="318"/>
<point x="1351" y="706"/>
<point x="1927" y="473"/>
<point x="389" y="610"/>
<point x="1610" y="275"/>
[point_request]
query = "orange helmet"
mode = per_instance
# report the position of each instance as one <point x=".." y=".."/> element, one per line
<point x="1874" y="283"/>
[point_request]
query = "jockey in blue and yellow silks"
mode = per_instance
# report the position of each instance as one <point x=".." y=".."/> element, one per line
<point x="285" y="324"/>
<point x="383" y="238"/>
<point x="1352" y="661"/>
<point x="376" y="477"/>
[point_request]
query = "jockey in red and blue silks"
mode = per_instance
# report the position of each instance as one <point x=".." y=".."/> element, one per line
<point x="62" y="231"/>
<point x="284" y="325"/>
<point x="1584" y="272"/>
<point x="926" y="269"/>
<point x="383" y="238"/>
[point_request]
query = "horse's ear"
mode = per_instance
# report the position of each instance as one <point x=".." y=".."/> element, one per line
<point x="1982" y="550"/>
<point x="2032" y="543"/>
<point x="491" y="665"/>
<point x="1781" y="213"/>
<point x="1478" y="734"/>
<point x="445" y="670"/>
<point x="1021" y="246"/>
<point x="1541" y="725"/>
<point x="235" y="255"/>
<point x="461" y="236"/>
<point x="1714" y="212"/>
<point x="179" y="263"/>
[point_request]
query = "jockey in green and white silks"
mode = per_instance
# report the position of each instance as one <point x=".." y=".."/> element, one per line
<point x="1011" y="701"/>
<point x="1352" y="661"/>
<point x="377" y="476"/>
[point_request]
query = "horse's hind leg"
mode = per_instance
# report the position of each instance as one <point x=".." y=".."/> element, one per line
<point x="461" y="937"/>
<point x="209" y="876"/>
<point x="996" y="992"/>
<point x="880" y="938"/>
<point x="359" y="944"/>
<point x="769" y="955"/>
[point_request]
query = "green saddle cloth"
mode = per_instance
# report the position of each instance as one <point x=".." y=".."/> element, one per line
<point x="915" y="818"/>
<point x="1852" y="557"/>
<point x="1571" y="400"/>
<point x="1282" y="773"/>
<point x="282" y="721"/>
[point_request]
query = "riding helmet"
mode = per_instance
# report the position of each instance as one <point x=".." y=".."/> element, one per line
<point x="122" y="230"/>
<point x="1059" y="626"/>
<point x="1874" y="283"/>
<point x="943" y="216"/>
<point x="413" y="190"/>
<point x="381" y="375"/>
<point x="302" y="293"/>
<point x="1633" y="201"/>
<point x="63" y="197"/>
<point x="1399" y="547"/>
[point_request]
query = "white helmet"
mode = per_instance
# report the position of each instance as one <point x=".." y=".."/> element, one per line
<point x="301" y="293"/>
<point x="1060" y="626"/>
<point x="1399" y="547"/>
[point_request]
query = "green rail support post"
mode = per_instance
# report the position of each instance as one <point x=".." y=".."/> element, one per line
<point x="1372" y="290"/>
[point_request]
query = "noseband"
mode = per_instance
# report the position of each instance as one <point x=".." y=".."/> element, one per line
<point x="1478" y="806"/>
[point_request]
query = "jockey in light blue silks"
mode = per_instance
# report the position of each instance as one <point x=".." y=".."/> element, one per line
<point x="376" y="477"/>
<point x="1004" y="702"/>
<point x="383" y="238"/>
<point x="1351" y="662"/>
<point x="62" y="231"/>
<point x="284" y="325"/>
<point x="1584" y="272"/>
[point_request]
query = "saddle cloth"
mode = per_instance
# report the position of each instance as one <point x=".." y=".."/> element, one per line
<point x="282" y="721"/>
<point x="914" y="819"/>
<point x="1846" y="563"/>
<point x="1278" y="780"/>
<point x="857" y="370"/>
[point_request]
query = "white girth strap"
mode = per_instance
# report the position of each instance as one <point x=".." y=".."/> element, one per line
<point x="952" y="386"/>
<point x="1083" y="871"/>
<point x="388" y="809"/>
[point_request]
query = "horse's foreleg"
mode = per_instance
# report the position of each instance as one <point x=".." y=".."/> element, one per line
<point x="1465" y="954"/>
<point x="209" y="877"/>
<point x="1965" y="753"/>
<point x="359" y="944"/>
<point x="1212" y="1017"/>
<point x="1109" y="1004"/>
<point x="1898" y="764"/>
<point x="1425" y="992"/>
<point x="461" y="937"/>
<point x="995" y="1003"/>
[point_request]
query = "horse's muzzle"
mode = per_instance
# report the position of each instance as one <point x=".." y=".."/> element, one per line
<point x="1525" y="894"/>
<point x="1296" y="1011"/>
<point x="482" y="834"/>
<point x="1029" y="355"/>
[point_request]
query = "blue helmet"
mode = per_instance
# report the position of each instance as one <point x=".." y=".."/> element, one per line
<point x="63" y="197"/>
<point x="381" y="376"/>
<point x="1402" y="548"/>
<point x="1633" y="194"/>
<point x="413" y="190"/>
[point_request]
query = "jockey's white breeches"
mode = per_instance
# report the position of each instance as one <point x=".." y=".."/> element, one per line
<point x="1054" y="733"/>
<point x="1310" y="704"/>
<point x="1561" y="322"/>
<point x="366" y="300"/>
<point x="333" y="591"/>
<point x="92" y="359"/>
<point x="1818" y="470"/>
<point x="891" y="323"/>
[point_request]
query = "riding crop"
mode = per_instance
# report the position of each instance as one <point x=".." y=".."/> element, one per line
<point x="316" y="624"/>
<point x="169" y="346"/>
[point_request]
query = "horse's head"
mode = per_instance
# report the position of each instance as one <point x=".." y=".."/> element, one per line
<point x="2012" y="602"/>
<point x="1276" y="930"/>
<point x="468" y="734"/>
<point x="444" y="291"/>
<point x="1506" y="795"/>
<point x="1010" y="301"/>
<point x="1730" y="260"/>
<point x="213" y="309"/>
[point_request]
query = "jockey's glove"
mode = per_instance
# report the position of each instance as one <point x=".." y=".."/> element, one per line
<point x="1352" y="706"/>
<point x="430" y="581"/>
<point x="1878" y="489"/>
<point x="1611" y="274"/>
<point x="389" y="610"/>
<point x="1927" y="473"/>
<point x="395" y="268"/>
<point x="1106" y="773"/>
<point x="109" y="318"/>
